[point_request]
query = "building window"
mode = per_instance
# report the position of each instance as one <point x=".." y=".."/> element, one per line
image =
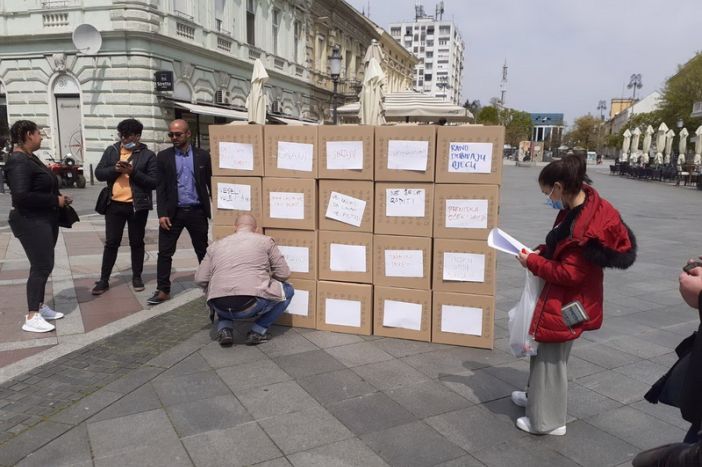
<point x="430" y="54"/>
<point x="444" y="29"/>
<point x="395" y="31"/>
<point x="408" y="31"/>
<point x="276" y="28"/>
<point x="298" y="39"/>
<point x="443" y="41"/>
<point x="251" y="22"/>
<point x="183" y="8"/>
<point x="430" y="30"/>
<point x="220" y="6"/>
<point x="427" y="77"/>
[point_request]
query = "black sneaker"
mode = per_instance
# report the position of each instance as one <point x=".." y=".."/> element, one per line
<point x="254" y="338"/>
<point x="100" y="287"/>
<point x="138" y="284"/>
<point x="158" y="297"/>
<point x="225" y="337"/>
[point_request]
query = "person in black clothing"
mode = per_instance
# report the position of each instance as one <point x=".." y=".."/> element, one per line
<point x="34" y="218"/>
<point x="182" y="201"/>
<point x="129" y="168"/>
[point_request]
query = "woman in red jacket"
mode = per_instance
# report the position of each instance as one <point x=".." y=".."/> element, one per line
<point x="588" y="235"/>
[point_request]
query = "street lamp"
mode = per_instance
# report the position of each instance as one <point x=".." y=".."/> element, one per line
<point x="335" y="71"/>
<point x="602" y="106"/>
<point x="635" y="83"/>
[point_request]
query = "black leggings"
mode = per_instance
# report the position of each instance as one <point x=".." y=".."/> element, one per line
<point x="38" y="238"/>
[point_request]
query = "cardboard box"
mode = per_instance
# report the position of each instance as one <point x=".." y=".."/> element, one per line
<point x="234" y="195"/>
<point x="346" y="152"/>
<point x="405" y="153"/>
<point x="237" y="150"/>
<point x="290" y="151"/>
<point x="463" y="266"/>
<point x="470" y="154"/>
<point x="408" y="261"/>
<point x="289" y="203"/>
<point x="347" y="211"/>
<point x="465" y="211"/>
<point x="402" y="313"/>
<point x="344" y="307"/>
<point x="346" y="256"/>
<point x="461" y="319"/>
<point x="302" y="311"/>
<point x="404" y="204"/>
<point x="300" y="250"/>
<point x="221" y="231"/>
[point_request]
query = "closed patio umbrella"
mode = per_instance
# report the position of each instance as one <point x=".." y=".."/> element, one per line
<point x="669" y="145"/>
<point x="645" y="157"/>
<point x="256" y="101"/>
<point x="635" y="137"/>
<point x="660" y="142"/>
<point x="371" y="110"/>
<point x="682" y="146"/>
<point x="698" y="146"/>
<point x="625" y="146"/>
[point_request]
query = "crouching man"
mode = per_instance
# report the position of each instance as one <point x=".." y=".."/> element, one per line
<point x="244" y="278"/>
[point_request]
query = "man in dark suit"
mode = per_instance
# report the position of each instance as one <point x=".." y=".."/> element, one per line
<point x="182" y="202"/>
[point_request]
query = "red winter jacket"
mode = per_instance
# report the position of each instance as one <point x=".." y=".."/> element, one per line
<point x="598" y="238"/>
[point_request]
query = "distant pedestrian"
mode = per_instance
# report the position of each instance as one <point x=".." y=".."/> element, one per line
<point x="183" y="202"/>
<point x="588" y="235"/>
<point x="129" y="168"/>
<point x="34" y="218"/>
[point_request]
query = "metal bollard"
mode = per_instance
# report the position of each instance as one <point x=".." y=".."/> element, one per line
<point x="92" y="178"/>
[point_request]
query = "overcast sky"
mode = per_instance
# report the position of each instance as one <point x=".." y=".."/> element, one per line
<point x="563" y="55"/>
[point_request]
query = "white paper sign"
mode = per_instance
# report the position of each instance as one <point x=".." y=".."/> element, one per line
<point x="404" y="263"/>
<point x="464" y="267"/>
<point x="236" y="156"/>
<point x="403" y="315"/>
<point x="470" y="158"/>
<point x="347" y="258"/>
<point x="408" y="155"/>
<point x="346" y="209"/>
<point x="295" y="156"/>
<point x="342" y="312"/>
<point x="344" y="155"/>
<point x="404" y="202"/>
<point x="299" y="305"/>
<point x="297" y="257"/>
<point x="503" y="241"/>
<point x="285" y="205"/>
<point x="233" y="196"/>
<point x="462" y="320"/>
<point x="467" y="213"/>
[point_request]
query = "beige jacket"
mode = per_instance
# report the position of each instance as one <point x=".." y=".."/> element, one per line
<point x="245" y="263"/>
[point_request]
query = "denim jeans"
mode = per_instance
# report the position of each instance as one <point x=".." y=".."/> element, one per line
<point x="266" y="312"/>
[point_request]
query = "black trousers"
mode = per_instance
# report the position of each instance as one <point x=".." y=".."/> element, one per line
<point x="194" y="220"/>
<point x="118" y="214"/>
<point x="38" y="235"/>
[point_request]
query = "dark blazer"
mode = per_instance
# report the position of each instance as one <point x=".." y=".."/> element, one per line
<point x="167" y="191"/>
<point x="33" y="186"/>
<point x="143" y="179"/>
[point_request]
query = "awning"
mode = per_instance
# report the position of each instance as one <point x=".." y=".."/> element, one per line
<point x="289" y="121"/>
<point x="415" y="106"/>
<point x="213" y="111"/>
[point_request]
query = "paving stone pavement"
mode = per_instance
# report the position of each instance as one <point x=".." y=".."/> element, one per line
<point x="165" y="393"/>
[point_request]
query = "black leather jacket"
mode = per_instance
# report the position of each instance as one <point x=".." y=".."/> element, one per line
<point x="143" y="179"/>
<point x="34" y="188"/>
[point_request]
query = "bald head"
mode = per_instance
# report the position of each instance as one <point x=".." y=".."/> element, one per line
<point x="245" y="223"/>
<point x="179" y="133"/>
<point x="179" y="125"/>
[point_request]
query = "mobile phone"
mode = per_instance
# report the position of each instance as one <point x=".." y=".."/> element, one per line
<point x="690" y="266"/>
<point x="574" y="313"/>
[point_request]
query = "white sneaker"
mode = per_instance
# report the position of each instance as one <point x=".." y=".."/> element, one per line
<point x="524" y="425"/>
<point x="519" y="398"/>
<point x="48" y="313"/>
<point x="37" y="324"/>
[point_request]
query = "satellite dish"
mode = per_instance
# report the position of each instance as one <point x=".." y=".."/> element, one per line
<point x="87" y="39"/>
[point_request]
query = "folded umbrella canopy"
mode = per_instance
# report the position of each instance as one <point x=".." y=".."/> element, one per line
<point x="371" y="110"/>
<point x="256" y="101"/>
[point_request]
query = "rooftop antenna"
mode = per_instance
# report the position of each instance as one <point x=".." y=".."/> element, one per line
<point x="368" y="9"/>
<point x="503" y="83"/>
<point x="418" y="10"/>
<point x="440" y="10"/>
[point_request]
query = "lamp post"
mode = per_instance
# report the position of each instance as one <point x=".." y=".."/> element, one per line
<point x="634" y="84"/>
<point x="335" y="71"/>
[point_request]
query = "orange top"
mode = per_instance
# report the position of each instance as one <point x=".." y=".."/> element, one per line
<point x="121" y="191"/>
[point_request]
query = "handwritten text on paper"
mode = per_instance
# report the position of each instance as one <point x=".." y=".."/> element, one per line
<point x="344" y="155"/>
<point x="408" y="155"/>
<point x="285" y="205"/>
<point x="295" y="156"/>
<point x="297" y="257"/>
<point x="237" y="156"/>
<point x="470" y="157"/>
<point x="405" y="202"/>
<point x="467" y="213"/>
<point x="464" y="267"/>
<point x="346" y="209"/>
<point x="234" y="197"/>
<point x="404" y="263"/>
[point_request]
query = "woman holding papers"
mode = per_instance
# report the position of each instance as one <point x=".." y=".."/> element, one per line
<point x="588" y="235"/>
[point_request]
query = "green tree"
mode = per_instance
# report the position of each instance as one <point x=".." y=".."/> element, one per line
<point x="488" y="116"/>
<point x="517" y="124"/>
<point x="584" y="132"/>
<point x="680" y="92"/>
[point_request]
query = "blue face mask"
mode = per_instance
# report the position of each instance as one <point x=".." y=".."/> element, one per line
<point x="554" y="204"/>
<point x="130" y="145"/>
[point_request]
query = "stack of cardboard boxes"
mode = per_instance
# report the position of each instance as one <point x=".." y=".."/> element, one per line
<point x="377" y="223"/>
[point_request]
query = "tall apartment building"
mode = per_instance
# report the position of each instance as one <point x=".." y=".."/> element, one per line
<point x="439" y="47"/>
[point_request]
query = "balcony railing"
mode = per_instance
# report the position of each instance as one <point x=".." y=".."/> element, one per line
<point x="185" y="30"/>
<point x="55" y="20"/>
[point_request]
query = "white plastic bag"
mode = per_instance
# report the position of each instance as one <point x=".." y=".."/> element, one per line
<point x="520" y="342"/>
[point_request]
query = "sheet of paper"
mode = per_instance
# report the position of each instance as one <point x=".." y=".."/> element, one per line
<point x="470" y="157"/>
<point x="462" y="320"/>
<point x="464" y="267"/>
<point x="347" y="258"/>
<point x="300" y="303"/>
<point x="346" y="209"/>
<point x="502" y="241"/>
<point x="295" y="156"/>
<point x="238" y="156"/>
<point x="404" y="263"/>
<point x="344" y="155"/>
<point x="234" y="196"/>
<point x="467" y="213"/>
<point x="403" y="315"/>
<point x="342" y="312"/>
<point x="286" y="205"/>
<point x="404" y="202"/>
<point x="297" y="257"/>
<point x="408" y="155"/>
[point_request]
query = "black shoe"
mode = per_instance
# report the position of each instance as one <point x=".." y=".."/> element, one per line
<point x="225" y="337"/>
<point x="158" y="297"/>
<point x="138" y="284"/>
<point x="254" y="338"/>
<point x="100" y="287"/>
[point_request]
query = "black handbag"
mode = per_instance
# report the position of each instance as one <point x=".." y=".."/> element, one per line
<point x="67" y="216"/>
<point x="669" y="388"/>
<point x="103" y="200"/>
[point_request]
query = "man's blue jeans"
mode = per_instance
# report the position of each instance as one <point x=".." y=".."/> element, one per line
<point x="265" y="311"/>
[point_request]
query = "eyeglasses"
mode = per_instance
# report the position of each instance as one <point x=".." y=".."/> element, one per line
<point x="175" y="134"/>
